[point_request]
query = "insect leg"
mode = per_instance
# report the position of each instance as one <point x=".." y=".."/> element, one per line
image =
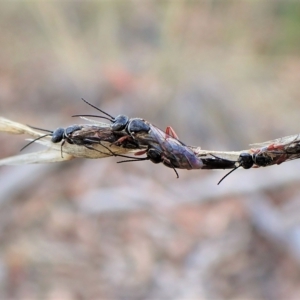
<point x="107" y="148"/>
<point x="171" y="132"/>
<point x="61" y="152"/>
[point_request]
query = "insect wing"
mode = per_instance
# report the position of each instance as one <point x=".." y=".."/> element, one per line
<point x="285" y="141"/>
<point x="180" y="155"/>
<point x="92" y="133"/>
<point x="100" y="124"/>
<point x="161" y="137"/>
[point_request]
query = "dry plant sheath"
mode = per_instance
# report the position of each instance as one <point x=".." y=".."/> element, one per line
<point x="131" y="138"/>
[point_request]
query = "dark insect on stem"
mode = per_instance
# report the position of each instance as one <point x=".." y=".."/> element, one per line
<point x="121" y="122"/>
<point x="159" y="146"/>
<point x="65" y="135"/>
<point x="162" y="146"/>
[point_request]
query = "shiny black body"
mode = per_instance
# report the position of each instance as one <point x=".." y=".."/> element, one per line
<point x="60" y="134"/>
<point x="121" y="122"/>
<point x="136" y="125"/>
<point x="262" y="160"/>
<point x="217" y="163"/>
<point x="245" y="160"/>
<point x="57" y="135"/>
<point x="130" y="125"/>
<point x="154" y="156"/>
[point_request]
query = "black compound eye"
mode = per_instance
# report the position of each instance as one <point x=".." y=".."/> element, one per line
<point x="119" y="123"/>
<point x="137" y="125"/>
<point x="246" y="160"/>
<point x="57" y="135"/>
<point x="154" y="156"/>
<point x="69" y="130"/>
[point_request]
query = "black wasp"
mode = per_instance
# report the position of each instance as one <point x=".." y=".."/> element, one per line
<point x="87" y="134"/>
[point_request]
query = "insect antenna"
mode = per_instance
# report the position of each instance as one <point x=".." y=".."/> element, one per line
<point x="38" y="138"/>
<point x="42" y="129"/>
<point x="98" y="109"/>
<point x="228" y="174"/>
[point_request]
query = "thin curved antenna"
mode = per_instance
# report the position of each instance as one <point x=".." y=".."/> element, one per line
<point x="97" y="108"/>
<point x="38" y="128"/>
<point x="228" y="174"/>
<point x="40" y="137"/>
<point x="42" y="129"/>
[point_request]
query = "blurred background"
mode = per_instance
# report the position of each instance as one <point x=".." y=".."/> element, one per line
<point x="223" y="75"/>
